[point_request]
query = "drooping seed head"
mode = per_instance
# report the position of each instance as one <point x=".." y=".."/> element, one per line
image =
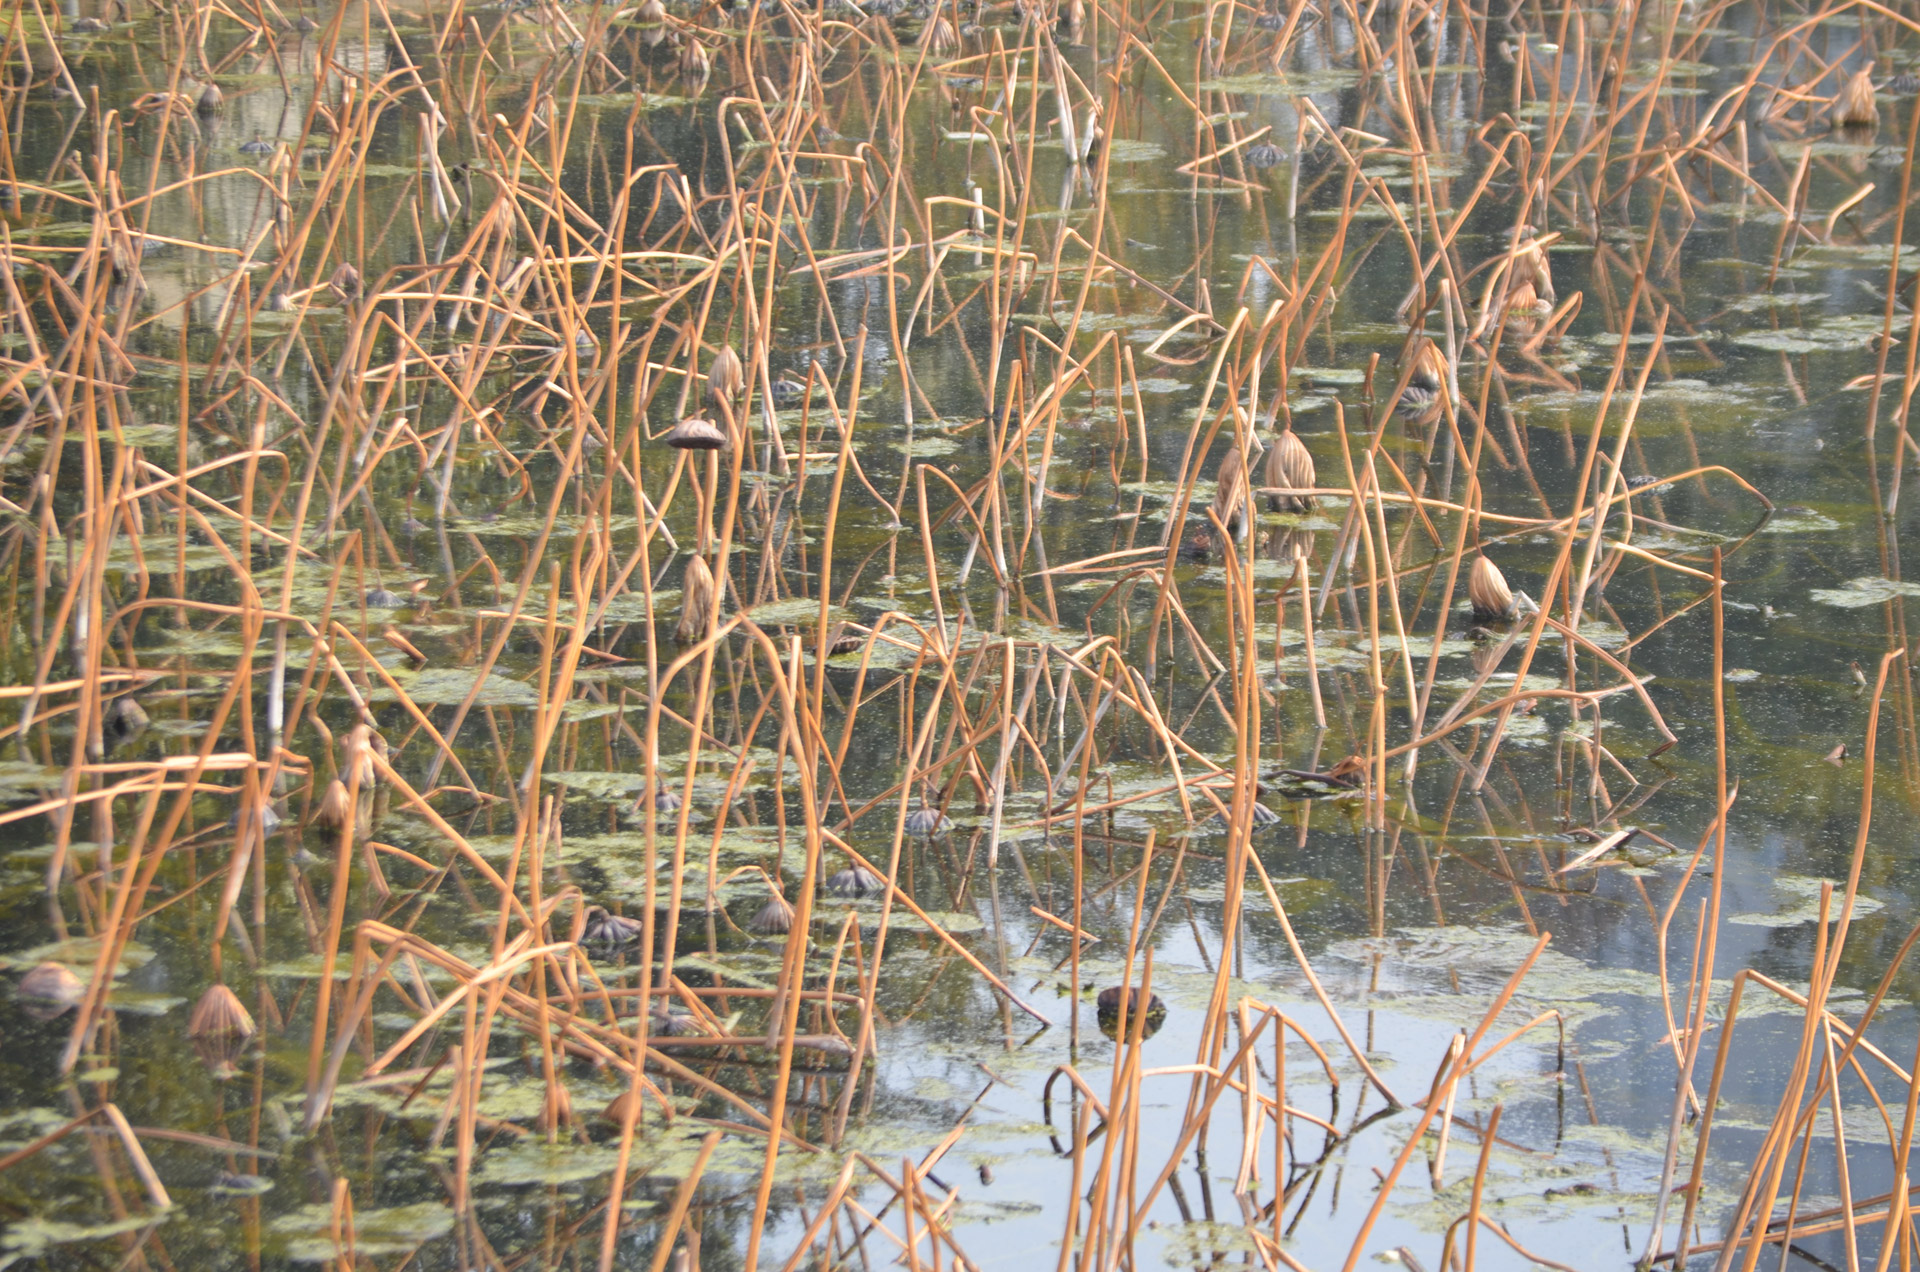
<point x="50" y="989"/>
<point x="775" y="918"/>
<point x="1523" y="299"/>
<point x="345" y="282"/>
<point x="1487" y="591"/>
<point x="220" y="1014"/>
<point x="335" y="809"/>
<point x="1290" y="466"/>
<point x="603" y="928"/>
<point x="938" y="37"/>
<point x="1530" y="263"/>
<point x="855" y="881"/>
<point x="928" y="823"/>
<point x="1429" y="375"/>
<point x="1854" y="106"/>
<point x="1230" y="493"/>
<point x="695" y="63"/>
<point x="363" y="745"/>
<point x="726" y="377"/>
<point x="696" y="601"/>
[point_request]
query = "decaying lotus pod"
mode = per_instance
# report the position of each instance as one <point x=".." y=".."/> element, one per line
<point x="1264" y="155"/>
<point x="938" y="37"/>
<point x="363" y="744"/>
<point x="1230" y="493"/>
<point x="696" y="600"/>
<point x="617" y="1108"/>
<point x="1488" y="592"/>
<point x="335" y="810"/>
<point x="1290" y="466"/>
<point x="775" y="918"/>
<point x="927" y="822"/>
<point x="220" y="1014"/>
<point x="1523" y="299"/>
<point x="1853" y="106"/>
<point x="855" y="881"/>
<point x="695" y="63"/>
<point x="49" y="990"/>
<point x="1429" y="377"/>
<point x="345" y="282"/>
<point x="726" y="377"/>
<point x="605" y="928"/>
<point x="654" y="13"/>
<point x="1530" y="263"/>
<point x="696" y="434"/>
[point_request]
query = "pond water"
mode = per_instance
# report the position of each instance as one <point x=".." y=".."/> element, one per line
<point x="271" y="500"/>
